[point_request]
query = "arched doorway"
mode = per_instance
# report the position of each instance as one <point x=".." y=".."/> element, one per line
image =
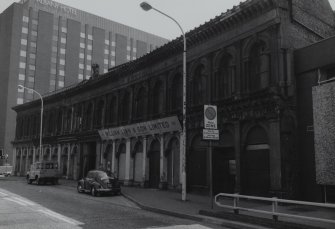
<point x="30" y="158"/>
<point x="64" y="161"/>
<point x="255" y="163"/>
<point x="18" y="162"/>
<point x="46" y="154"/>
<point x="54" y="156"/>
<point x="173" y="163"/>
<point x="88" y="160"/>
<point x="108" y="155"/>
<point x="92" y="155"/>
<point x="224" y="164"/>
<point x="154" y="164"/>
<point x="37" y="155"/>
<point x="197" y="161"/>
<point x="137" y="156"/>
<point x="24" y="162"/>
<point x="72" y="165"/>
<point x="121" y="161"/>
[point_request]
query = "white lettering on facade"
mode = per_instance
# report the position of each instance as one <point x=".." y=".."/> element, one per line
<point x="57" y="6"/>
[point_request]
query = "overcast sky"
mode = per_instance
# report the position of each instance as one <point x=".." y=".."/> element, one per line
<point x="189" y="13"/>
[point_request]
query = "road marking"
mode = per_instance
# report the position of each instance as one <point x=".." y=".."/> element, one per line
<point x="193" y="226"/>
<point x="37" y="208"/>
<point x="60" y="217"/>
<point x="3" y="194"/>
<point x="27" y="202"/>
<point x="16" y="201"/>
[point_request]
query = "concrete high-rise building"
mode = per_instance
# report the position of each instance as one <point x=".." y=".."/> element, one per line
<point x="47" y="46"/>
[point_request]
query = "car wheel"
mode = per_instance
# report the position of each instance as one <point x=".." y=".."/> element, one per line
<point x="94" y="191"/>
<point x="29" y="181"/>
<point x="79" y="188"/>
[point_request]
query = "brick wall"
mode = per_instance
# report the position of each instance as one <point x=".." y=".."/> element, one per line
<point x="315" y="14"/>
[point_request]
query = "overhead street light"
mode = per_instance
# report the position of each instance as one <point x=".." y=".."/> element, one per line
<point x="146" y="6"/>
<point x="41" y="128"/>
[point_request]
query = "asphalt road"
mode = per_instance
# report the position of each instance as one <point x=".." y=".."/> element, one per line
<point x="26" y="206"/>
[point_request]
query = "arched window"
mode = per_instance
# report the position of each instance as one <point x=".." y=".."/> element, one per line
<point x="59" y="121"/>
<point x="78" y="116"/>
<point x="112" y="110"/>
<point x="100" y="113"/>
<point x="89" y="114"/>
<point x="158" y="96"/>
<point x="67" y="122"/>
<point x="26" y="126"/>
<point x="140" y="103"/>
<point x="50" y="123"/>
<point x="125" y="107"/>
<point x="19" y="128"/>
<point x="226" y="77"/>
<point x="176" y="92"/>
<point x="199" y="85"/>
<point x="34" y="125"/>
<point x="259" y="67"/>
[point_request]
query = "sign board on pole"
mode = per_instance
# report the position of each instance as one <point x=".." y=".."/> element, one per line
<point x="210" y="117"/>
<point x="209" y="134"/>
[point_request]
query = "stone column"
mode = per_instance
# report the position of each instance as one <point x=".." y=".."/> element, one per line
<point x="68" y="161"/>
<point x="127" y="164"/>
<point x="144" y="160"/>
<point x="102" y="151"/>
<point x="50" y="154"/>
<point x="26" y="163"/>
<point x="113" y="157"/>
<point x="237" y="147"/>
<point x="275" y="155"/>
<point x="21" y="159"/>
<point x="181" y="160"/>
<point x="97" y="155"/>
<point x="14" y="160"/>
<point x="59" y="153"/>
<point x="162" y="169"/>
<point x="34" y="154"/>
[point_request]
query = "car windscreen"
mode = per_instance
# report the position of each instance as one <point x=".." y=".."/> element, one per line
<point x="102" y="175"/>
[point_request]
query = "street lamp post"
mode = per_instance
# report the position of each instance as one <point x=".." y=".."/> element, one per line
<point x="146" y="6"/>
<point x="41" y="127"/>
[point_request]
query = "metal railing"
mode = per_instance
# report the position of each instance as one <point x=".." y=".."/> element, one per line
<point x="274" y="201"/>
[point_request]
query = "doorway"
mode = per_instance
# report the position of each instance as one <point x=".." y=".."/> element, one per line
<point x="154" y="161"/>
<point x="224" y="170"/>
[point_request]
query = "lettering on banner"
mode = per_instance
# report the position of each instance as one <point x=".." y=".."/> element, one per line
<point x="159" y="126"/>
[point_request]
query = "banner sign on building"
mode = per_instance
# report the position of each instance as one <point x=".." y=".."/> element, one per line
<point x="324" y="132"/>
<point x="152" y="127"/>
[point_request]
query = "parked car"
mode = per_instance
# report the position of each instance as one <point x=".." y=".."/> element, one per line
<point x="97" y="182"/>
<point x="6" y="170"/>
<point x="43" y="172"/>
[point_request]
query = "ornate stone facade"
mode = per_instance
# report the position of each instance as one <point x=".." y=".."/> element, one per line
<point x="240" y="61"/>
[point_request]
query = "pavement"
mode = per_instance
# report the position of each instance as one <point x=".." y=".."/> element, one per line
<point x="200" y="208"/>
